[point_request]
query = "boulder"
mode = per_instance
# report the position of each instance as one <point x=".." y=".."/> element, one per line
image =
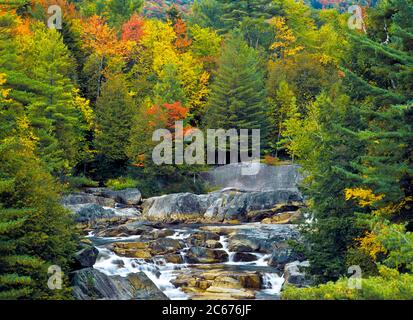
<point x="281" y="256"/>
<point x="261" y="238"/>
<point x="91" y="284"/>
<point x="85" y="198"/>
<point x="201" y="238"/>
<point x="174" y="258"/>
<point x="205" y="255"/>
<point x="165" y="245"/>
<point x="295" y="275"/>
<point x="129" y="196"/>
<point x="91" y="212"/>
<point x="132" y="249"/>
<point x="222" y="205"/>
<point x="244" y="257"/>
<point x="86" y="257"/>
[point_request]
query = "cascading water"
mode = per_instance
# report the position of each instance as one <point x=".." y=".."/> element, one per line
<point x="159" y="271"/>
<point x="272" y="283"/>
<point x="162" y="273"/>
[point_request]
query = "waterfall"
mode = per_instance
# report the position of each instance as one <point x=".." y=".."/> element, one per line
<point x="272" y="283"/>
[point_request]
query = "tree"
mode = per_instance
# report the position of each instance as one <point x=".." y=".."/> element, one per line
<point x="132" y="30"/>
<point x="38" y="70"/>
<point x="282" y="107"/>
<point x="114" y="113"/>
<point x="326" y="148"/>
<point x="35" y="231"/>
<point x="234" y="12"/>
<point x="237" y="97"/>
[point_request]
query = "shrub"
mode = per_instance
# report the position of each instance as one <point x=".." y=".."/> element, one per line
<point x="390" y="285"/>
<point x="121" y="183"/>
<point x="81" y="182"/>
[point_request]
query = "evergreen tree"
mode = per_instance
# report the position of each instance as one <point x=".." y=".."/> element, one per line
<point x="114" y="114"/>
<point x="35" y="231"/>
<point x="237" y="97"/>
<point x="234" y="12"/>
<point x="38" y="73"/>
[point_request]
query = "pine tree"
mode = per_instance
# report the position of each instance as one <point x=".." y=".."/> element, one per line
<point x="114" y="114"/>
<point x="38" y="73"/>
<point x="35" y="231"/>
<point x="234" y="12"/>
<point x="237" y="97"/>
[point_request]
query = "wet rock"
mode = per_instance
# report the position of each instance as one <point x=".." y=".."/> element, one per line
<point x="213" y="244"/>
<point x="118" y="263"/>
<point x="132" y="249"/>
<point x="157" y="233"/>
<point x="165" y="245"/>
<point x="86" y="257"/>
<point x="218" y="284"/>
<point x="244" y="257"/>
<point x="201" y="238"/>
<point x="242" y="245"/>
<point x="91" y="284"/>
<point x="205" y="255"/>
<point x="174" y="258"/>
<point x="261" y="238"/>
<point x="294" y="274"/>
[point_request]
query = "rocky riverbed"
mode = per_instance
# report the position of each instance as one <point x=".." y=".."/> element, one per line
<point x="228" y="244"/>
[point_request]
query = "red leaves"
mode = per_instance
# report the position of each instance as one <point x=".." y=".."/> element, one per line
<point x="166" y="115"/>
<point x="182" y="40"/>
<point x="133" y="29"/>
<point x="175" y="112"/>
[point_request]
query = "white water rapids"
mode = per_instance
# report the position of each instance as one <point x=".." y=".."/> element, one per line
<point x="162" y="272"/>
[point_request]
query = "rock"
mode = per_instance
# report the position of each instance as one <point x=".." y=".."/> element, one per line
<point x="174" y="258"/>
<point x="91" y="212"/>
<point x="130" y="196"/>
<point x="201" y="238"/>
<point x="283" y="218"/>
<point x="91" y="284"/>
<point x="84" y="198"/>
<point x="222" y="205"/>
<point x="205" y="255"/>
<point x="86" y="257"/>
<point x="281" y="256"/>
<point x="218" y="284"/>
<point x="156" y="233"/>
<point x="179" y="206"/>
<point x="242" y="245"/>
<point x="165" y="245"/>
<point x="261" y="238"/>
<point x="295" y="275"/>
<point x="267" y="178"/>
<point x="132" y="249"/>
<point x="244" y="257"/>
<point x="213" y="244"/>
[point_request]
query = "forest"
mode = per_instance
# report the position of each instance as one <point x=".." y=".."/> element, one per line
<point x="85" y="83"/>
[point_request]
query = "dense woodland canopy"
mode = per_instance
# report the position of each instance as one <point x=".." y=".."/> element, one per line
<point x="78" y="106"/>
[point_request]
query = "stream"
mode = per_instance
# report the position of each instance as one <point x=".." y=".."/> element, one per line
<point x="163" y="273"/>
